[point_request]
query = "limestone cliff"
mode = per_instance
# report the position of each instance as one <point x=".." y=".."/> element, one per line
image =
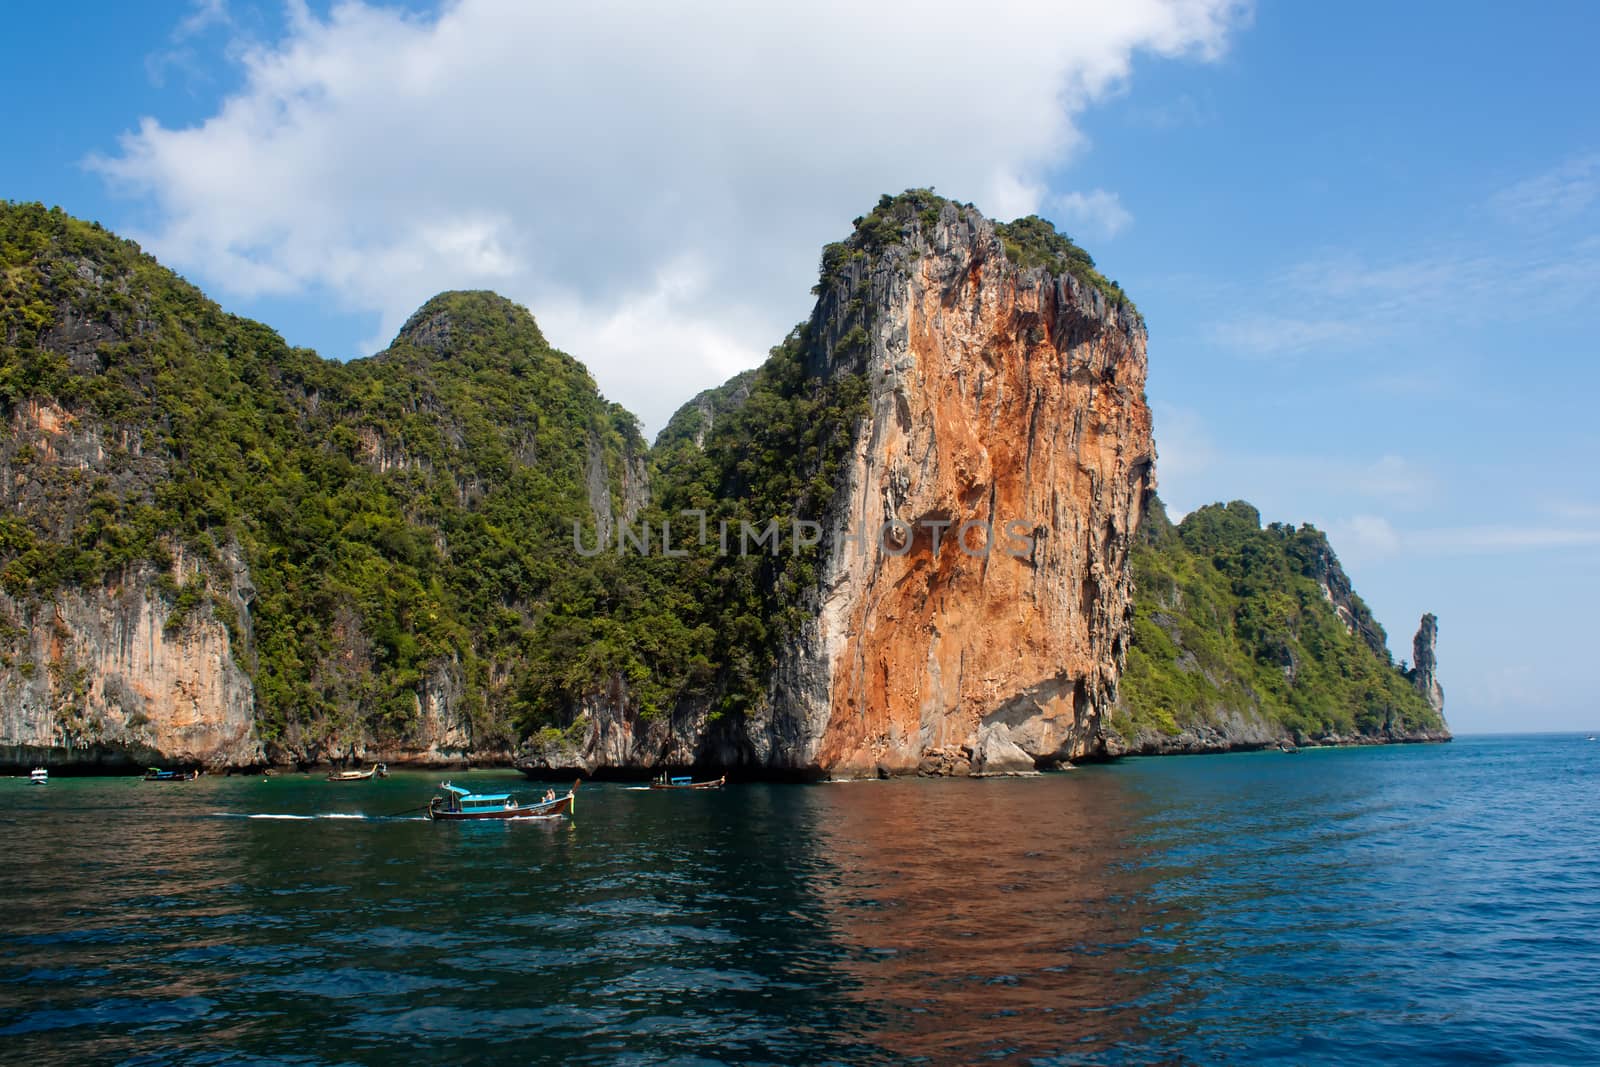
<point x="1008" y="424"/>
<point x="138" y="664"/>
<point x="1424" y="672"/>
<point x="216" y="548"/>
<point x="976" y="493"/>
<point x="109" y="677"/>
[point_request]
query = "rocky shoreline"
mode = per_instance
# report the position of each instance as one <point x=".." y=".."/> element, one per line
<point x="989" y="759"/>
<point x="1191" y="743"/>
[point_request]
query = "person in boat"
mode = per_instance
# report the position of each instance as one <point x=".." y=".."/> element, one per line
<point x="549" y="795"/>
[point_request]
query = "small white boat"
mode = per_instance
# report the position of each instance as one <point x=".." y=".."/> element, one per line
<point x="378" y="771"/>
<point x="39" y="776"/>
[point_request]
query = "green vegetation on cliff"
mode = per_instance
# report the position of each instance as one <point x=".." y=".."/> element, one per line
<point x="404" y="518"/>
<point x="1232" y="620"/>
<point x="397" y="531"/>
<point x="1028" y="242"/>
<point x="773" y="454"/>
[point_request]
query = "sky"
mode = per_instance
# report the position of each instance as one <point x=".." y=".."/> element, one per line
<point x="1365" y="237"/>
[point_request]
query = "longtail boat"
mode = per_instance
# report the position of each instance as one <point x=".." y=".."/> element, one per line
<point x="457" y="804"/>
<point x="684" y="782"/>
<point x="156" y="774"/>
<point x="378" y="771"/>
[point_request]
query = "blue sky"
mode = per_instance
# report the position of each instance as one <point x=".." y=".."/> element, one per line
<point x="1366" y="237"/>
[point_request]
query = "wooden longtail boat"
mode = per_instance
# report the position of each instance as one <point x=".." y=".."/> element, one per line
<point x="688" y="783"/>
<point x="156" y="774"/>
<point x="378" y="771"/>
<point x="458" y="804"/>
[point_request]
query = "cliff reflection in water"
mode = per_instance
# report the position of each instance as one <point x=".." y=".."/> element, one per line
<point x="991" y="919"/>
<point x="862" y="922"/>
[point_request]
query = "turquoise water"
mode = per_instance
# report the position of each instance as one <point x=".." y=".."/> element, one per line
<point x="1417" y="904"/>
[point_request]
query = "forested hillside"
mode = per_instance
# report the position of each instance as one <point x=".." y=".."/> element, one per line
<point x="387" y="555"/>
<point x="1244" y="635"/>
<point x="406" y="520"/>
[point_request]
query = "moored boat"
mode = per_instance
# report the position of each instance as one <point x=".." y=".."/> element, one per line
<point x="377" y="770"/>
<point x="156" y="774"/>
<point x="39" y="776"/>
<point x="685" y="782"/>
<point x="457" y="804"/>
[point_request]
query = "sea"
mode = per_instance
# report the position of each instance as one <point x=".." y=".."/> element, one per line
<point x="1415" y="904"/>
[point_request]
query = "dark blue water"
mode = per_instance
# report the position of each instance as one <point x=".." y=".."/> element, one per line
<point x="1417" y="904"/>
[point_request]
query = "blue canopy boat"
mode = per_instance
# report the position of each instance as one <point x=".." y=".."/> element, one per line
<point x="685" y="782"/>
<point x="459" y="804"/>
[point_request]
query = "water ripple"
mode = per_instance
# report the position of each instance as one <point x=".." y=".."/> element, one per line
<point x="1418" y="904"/>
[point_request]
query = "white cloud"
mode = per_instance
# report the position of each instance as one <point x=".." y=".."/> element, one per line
<point x="1096" y="213"/>
<point x="1369" y="537"/>
<point x="1392" y="476"/>
<point x="1494" y="539"/>
<point x="181" y="51"/>
<point x="1277" y="335"/>
<point x="1553" y="197"/>
<point x="1364" y="537"/>
<point x="578" y="158"/>
<point x="1542" y="258"/>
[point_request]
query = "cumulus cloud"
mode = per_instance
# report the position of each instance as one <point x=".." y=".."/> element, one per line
<point x="653" y="180"/>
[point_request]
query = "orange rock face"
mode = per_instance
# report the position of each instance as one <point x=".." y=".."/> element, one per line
<point x="1003" y="399"/>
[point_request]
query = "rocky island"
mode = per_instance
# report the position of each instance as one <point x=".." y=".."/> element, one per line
<point x="219" y="549"/>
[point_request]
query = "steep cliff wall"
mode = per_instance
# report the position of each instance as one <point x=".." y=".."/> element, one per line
<point x="110" y="677"/>
<point x="1008" y="424"/>
<point x="131" y="662"/>
<point x="963" y="421"/>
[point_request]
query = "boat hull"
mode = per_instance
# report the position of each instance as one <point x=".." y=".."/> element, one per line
<point x="559" y="806"/>
<point x="377" y="770"/>
<point x="717" y="784"/>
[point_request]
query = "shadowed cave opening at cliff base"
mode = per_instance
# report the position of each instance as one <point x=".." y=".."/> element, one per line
<point x="218" y="548"/>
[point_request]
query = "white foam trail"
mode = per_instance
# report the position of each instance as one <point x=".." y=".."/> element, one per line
<point x="357" y="816"/>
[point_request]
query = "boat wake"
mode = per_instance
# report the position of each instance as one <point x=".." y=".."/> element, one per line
<point x="353" y="816"/>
